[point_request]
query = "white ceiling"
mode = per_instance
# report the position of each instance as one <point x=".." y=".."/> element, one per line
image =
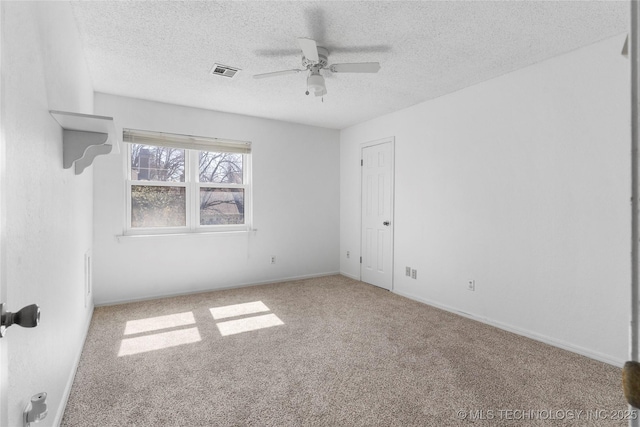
<point x="164" y="51"/>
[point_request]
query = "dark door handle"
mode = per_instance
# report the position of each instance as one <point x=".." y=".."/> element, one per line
<point x="387" y="223"/>
<point x="27" y="317"/>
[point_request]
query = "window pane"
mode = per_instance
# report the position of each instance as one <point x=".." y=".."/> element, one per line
<point x="151" y="163"/>
<point x="158" y="206"/>
<point x="221" y="206"/>
<point x="220" y="167"/>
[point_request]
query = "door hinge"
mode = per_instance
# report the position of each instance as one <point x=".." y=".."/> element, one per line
<point x="361" y="162"/>
<point x="360" y="260"/>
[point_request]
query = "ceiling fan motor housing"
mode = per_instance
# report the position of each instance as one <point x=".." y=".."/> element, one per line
<point x="323" y="54"/>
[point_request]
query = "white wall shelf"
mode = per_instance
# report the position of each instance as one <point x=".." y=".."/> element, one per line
<point x="85" y="137"/>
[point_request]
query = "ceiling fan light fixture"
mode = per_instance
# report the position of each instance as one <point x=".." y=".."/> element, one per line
<point x="315" y="83"/>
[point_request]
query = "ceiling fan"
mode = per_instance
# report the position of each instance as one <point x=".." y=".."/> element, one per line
<point x="314" y="59"/>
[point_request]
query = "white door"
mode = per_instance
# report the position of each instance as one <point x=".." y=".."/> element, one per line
<point x="377" y="214"/>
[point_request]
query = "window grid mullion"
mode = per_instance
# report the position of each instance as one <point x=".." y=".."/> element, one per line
<point x="159" y="183"/>
<point x="248" y="198"/>
<point x="128" y="213"/>
<point x="220" y="185"/>
<point x="193" y="189"/>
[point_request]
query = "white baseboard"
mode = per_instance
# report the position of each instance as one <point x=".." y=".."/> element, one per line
<point x="221" y="288"/>
<point x="72" y="375"/>
<point x="350" y="276"/>
<point x="529" y="334"/>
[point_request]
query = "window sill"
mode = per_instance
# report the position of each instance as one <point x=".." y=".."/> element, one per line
<point x="124" y="238"/>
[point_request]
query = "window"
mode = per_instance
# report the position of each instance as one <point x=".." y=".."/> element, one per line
<point x="178" y="183"/>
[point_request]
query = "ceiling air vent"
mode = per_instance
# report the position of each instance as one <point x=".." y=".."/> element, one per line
<point x="224" y="70"/>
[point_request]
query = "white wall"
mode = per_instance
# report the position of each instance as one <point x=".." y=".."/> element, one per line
<point x="521" y="183"/>
<point x="295" y="199"/>
<point x="48" y="208"/>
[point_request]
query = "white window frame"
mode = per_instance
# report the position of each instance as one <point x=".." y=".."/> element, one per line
<point x="192" y="187"/>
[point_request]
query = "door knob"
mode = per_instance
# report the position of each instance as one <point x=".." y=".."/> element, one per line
<point x="27" y="317"/>
<point x="387" y="223"/>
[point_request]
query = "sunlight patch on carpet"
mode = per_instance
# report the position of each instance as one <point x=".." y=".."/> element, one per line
<point x="232" y="327"/>
<point x="238" y="310"/>
<point x="160" y="322"/>
<point x="158" y="341"/>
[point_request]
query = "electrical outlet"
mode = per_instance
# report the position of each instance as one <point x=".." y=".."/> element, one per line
<point x="408" y="271"/>
<point x="273" y="259"/>
<point x="348" y="254"/>
<point x="414" y="274"/>
<point x="471" y="285"/>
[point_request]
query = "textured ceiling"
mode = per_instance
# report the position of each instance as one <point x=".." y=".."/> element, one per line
<point x="164" y="51"/>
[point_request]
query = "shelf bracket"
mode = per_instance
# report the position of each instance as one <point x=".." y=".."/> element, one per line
<point x="82" y="147"/>
<point x="84" y="138"/>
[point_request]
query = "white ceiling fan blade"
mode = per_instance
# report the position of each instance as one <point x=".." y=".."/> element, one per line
<point x="309" y="49"/>
<point x="359" y="67"/>
<point x="276" y="73"/>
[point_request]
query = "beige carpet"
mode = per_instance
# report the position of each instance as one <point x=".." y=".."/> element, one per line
<point x="325" y="352"/>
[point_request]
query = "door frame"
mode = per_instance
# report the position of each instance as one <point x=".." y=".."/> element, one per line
<point x="391" y="140"/>
<point x="634" y="57"/>
<point x="4" y="359"/>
